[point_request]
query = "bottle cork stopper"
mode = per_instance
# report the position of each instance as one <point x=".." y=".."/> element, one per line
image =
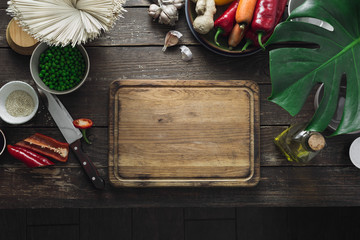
<point x="316" y="142"/>
<point x="19" y="41"/>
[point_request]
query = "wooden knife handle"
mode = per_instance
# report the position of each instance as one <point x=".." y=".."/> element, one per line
<point x="87" y="165"/>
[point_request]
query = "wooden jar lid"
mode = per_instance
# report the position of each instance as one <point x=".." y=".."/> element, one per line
<point x="20" y="41"/>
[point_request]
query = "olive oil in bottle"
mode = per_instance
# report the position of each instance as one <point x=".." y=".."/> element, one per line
<point x="299" y="145"/>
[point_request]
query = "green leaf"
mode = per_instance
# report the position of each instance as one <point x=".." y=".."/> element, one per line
<point x="296" y="69"/>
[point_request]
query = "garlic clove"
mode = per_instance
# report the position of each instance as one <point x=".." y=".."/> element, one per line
<point x="171" y="39"/>
<point x="178" y="3"/>
<point x="167" y="2"/>
<point x="186" y="54"/>
<point x="154" y="11"/>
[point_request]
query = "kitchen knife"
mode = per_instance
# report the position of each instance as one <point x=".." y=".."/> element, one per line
<point x="72" y="135"/>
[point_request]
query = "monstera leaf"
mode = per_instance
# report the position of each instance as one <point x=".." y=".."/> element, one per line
<point x="332" y="55"/>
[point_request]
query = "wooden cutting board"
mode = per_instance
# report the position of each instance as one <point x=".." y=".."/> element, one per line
<point x="184" y="133"/>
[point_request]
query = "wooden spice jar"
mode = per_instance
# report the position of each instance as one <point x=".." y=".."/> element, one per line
<point x="20" y="41"/>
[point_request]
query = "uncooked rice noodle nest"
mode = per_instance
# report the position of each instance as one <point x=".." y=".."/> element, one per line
<point x="63" y="22"/>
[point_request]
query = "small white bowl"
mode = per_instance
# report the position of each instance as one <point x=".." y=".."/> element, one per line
<point x="3" y="141"/>
<point x="354" y="152"/>
<point x="34" y="69"/>
<point x="5" y="92"/>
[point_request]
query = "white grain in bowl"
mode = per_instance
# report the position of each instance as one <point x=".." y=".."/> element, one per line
<point x="22" y="116"/>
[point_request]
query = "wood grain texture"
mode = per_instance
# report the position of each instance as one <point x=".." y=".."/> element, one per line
<point x="158" y="224"/>
<point x="210" y="230"/>
<point x="70" y="232"/>
<point x="132" y="50"/>
<point x="329" y="223"/>
<point x="209" y="213"/>
<point x="13" y="224"/>
<point x="279" y="186"/>
<point x="50" y="216"/>
<point x="111" y="63"/>
<point x="107" y="223"/>
<point x="183" y="133"/>
<point x="262" y="223"/>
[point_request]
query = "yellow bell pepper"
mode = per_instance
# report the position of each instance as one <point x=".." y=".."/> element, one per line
<point x="222" y="2"/>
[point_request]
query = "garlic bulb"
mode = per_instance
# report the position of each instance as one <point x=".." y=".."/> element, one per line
<point x="166" y="11"/>
<point x="186" y="54"/>
<point x="169" y="15"/>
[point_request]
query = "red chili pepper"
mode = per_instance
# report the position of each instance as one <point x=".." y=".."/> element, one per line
<point x="251" y="35"/>
<point x="83" y="124"/>
<point x="224" y="24"/>
<point x="264" y="18"/>
<point x="28" y="157"/>
<point x="46" y="146"/>
<point x="280" y="10"/>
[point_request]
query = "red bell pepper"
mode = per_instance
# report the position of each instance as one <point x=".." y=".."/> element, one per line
<point x="224" y="24"/>
<point x="83" y="124"/>
<point x="252" y="35"/>
<point x="30" y="158"/>
<point x="47" y="146"/>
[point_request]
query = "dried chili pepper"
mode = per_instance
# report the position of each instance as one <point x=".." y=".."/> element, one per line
<point x="83" y="124"/>
<point x="47" y="146"/>
<point x="224" y="24"/>
<point x="264" y="19"/>
<point x="30" y="158"/>
<point x="251" y="35"/>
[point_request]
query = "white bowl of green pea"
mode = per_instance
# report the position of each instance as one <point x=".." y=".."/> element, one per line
<point x="59" y="70"/>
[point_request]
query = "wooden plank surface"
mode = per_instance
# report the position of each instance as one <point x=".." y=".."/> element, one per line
<point x="210" y="230"/>
<point x="262" y="223"/>
<point x="13" y="224"/>
<point x="204" y="223"/>
<point x="279" y="186"/>
<point x="158" y="223"/>
<point x="106" y="223"/>
<point x="70" y="232"/>
<point x="209" y="213"/>
<point x="57" y="216"/>
<point x="133" y="50"/>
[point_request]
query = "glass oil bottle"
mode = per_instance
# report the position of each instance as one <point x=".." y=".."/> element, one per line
<point x="299" y="145"/>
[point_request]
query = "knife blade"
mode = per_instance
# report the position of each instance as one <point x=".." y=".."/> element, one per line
<point x="72" y="135"/>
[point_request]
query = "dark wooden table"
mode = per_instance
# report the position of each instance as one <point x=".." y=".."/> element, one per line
<point x="132" y="50"/>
